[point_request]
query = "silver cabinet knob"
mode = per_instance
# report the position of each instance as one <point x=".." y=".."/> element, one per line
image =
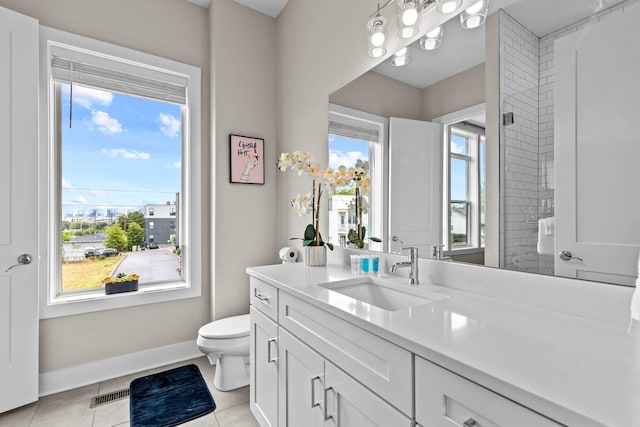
<point x="469" y="423"/>
<point x="23" y="259"/>
<point x="566" y="256"/>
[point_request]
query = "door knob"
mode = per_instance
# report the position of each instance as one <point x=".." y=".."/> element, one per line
<point x="566" y="256"/>
<point x="23" y="259"/>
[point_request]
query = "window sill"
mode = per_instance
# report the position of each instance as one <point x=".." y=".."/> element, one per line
<point x="463" y="251"/>
<point x="67" y="305"/>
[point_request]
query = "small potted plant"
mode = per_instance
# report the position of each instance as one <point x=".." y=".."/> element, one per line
<point x="121" y="283"/>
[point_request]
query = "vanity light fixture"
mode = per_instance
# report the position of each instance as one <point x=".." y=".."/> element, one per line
<point x="376" y="35"/>
<point x="448" y="6"/>
<point x="400" y="58"/>
<point x="432" y="39"/>
<point x="474" y="15"/>
<point x="407" y="13"/>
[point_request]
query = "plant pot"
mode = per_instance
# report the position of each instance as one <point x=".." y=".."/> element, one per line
<point x="116" y="288"/>
<point x="315" y="256"/>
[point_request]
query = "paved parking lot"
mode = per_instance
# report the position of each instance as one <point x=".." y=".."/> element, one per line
<point x="156" y="265"/>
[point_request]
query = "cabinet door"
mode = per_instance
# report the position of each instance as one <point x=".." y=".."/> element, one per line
<point x="446" y="399"/>
<point x="264" y="369"/>
<point x="348" y="403"/>
<point x="301" y="383"/>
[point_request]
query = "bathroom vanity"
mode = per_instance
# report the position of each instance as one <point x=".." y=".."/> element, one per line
<point x="331" y="349"/>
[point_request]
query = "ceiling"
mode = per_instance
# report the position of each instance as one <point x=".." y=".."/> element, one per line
<point x="268" y="7"/>
<point x="463" y="49"/>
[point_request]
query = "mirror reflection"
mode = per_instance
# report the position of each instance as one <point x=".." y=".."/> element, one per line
<point x="561" y="186"/>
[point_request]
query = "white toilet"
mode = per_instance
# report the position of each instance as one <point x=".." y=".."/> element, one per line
<point x="226" y="343"/>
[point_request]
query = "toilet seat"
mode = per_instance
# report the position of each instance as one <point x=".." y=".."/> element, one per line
<point x="230" y="327"/>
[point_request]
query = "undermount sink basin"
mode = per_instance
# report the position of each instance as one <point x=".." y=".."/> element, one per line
<point x="382" y="293"/>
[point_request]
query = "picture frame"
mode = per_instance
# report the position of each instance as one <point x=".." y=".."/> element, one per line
<point x="246" y="159"/>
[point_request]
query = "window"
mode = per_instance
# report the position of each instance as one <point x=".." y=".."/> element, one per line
<point x="355" y="135"/>
<point x="123" y="133"/>
<point x="465" y="169"/>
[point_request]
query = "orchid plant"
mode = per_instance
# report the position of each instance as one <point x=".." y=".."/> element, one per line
<point x="360" y="206"/>
<point x="304" y="163"/>
<point x="328" y="179"/>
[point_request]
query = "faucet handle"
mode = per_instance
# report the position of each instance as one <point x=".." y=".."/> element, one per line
<point x="413" y="251"/>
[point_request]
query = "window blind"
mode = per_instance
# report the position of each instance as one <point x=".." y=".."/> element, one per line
<point x="351" y="129"/>
<point x="112" y="75"/>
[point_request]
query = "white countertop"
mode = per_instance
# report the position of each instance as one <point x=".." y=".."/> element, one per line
<point x="574" y="370"/>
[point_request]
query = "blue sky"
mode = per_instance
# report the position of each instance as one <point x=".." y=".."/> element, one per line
<point x="121" y="152"/>
<point x="345" y="151"/>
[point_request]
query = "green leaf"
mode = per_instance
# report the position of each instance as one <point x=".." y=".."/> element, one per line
<point x="330" y="246"/>
<point x="309" y="232"/>
<point x="364" y="232"/>
<point x="352" y="235"/>
<point x="376" y="239"/>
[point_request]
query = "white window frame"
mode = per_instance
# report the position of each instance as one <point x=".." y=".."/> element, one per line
<point x="473" y="134"/>
<point x="54" y="305"/>
<point x="447" y="120"/>
<point x="378" y="161"/>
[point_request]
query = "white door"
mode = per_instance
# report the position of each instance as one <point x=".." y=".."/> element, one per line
<point x="349" y="404"/>
<point x="596" y="130"/>
<point x="264" y="369"/>
<point x="301" y="383"/>
<point x="415" y="184"/>
<point x="18" y="217"/>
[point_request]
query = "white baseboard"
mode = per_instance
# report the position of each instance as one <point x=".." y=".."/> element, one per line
<point x="106" y="369"/>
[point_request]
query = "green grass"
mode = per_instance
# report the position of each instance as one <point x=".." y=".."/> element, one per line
<point x="87" y="274"/>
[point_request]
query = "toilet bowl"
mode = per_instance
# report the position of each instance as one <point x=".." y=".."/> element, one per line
<point x="225" y="342"/>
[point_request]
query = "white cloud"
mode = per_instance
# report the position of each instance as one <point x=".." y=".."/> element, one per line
<point x="97" y="193"/>
<point x="80" y="200"/>
<point x="170" y="126"/>
<point x="175" y="165"/>
<point x="338" y="158"/>
<point x="105" y="123"/>
<point x="86" y="97"/>
<point x="458" y="148"/>
<point x="126" y="153"/>
<point x="66" y="185"/>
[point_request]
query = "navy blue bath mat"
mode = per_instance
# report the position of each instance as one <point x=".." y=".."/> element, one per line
<point x="169" y="398"/>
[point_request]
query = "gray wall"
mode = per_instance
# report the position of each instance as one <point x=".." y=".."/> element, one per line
<point x="235" y="48"/>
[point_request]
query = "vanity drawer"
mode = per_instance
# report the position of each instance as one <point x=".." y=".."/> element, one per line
<point x="264" y="297"/>
<point x="378" y="364"/>
<point x="447" y="399"/>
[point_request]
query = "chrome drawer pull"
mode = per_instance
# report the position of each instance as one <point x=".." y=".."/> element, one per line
<point x="269" y="358"/>
<point x="327" y="417"/>
<point x="470" y="423"/>
<point x="262" y="297"/>
<point x="313" y="392"/>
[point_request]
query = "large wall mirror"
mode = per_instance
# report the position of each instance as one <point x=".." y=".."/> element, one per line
<point x="569" y="151"/>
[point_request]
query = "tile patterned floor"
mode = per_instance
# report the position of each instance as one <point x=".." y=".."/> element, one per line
<point x="71" y="408"/>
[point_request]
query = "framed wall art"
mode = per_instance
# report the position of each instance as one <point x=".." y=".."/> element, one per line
<point x="247" y="159"/>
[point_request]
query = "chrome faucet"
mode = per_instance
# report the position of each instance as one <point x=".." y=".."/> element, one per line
<point x="436" y="251"/>
<point x="412" y="263"/>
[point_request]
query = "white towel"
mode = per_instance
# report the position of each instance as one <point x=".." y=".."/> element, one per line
<point x="635" y="299"/>
<point x="549" y="226"/>
<point x="546" y="242"/>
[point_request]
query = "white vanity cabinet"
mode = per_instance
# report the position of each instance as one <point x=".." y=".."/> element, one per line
<point x="447" y="399"/>
<point x="264" y="353"/>
<point x="314" y="392"/>
<point x="299" y="368"/>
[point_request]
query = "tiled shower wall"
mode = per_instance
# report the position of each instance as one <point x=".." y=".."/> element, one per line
<point x="527" y="146"/>
<point x="519" y="77"/>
